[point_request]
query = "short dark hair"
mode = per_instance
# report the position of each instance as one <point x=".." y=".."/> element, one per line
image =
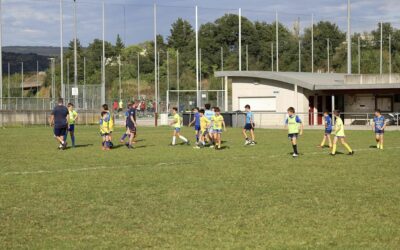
<point x="336" y="112"/>
<point x="196" y="108"/>
<point x="105" y="106"/>
<point x="130" y="105"/>
<point x="291" y="109"/>
<point x="207" y="106"/>
<point x="202" y="111"/>
<point x="326" y="112"/>
<point x="378" y="111"/>
<point x="60" y="101"/>
<point x="175" y="108"/>
<point x="247" y="106"/>
<point x="216" y="109"/>
<point x="70" y="105"/>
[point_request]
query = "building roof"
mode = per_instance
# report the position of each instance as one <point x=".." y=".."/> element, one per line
<point x="312" y="81"/>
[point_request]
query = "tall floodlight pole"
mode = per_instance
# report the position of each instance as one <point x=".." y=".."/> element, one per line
<point x="75" y="54"/>
<point x="327" y="55"/>
<point x="37" y="75"/>
<point x="348" y="37"/>
<point x="312" y="43"/>
<point x="247" y="57"/>
<point x="359" y="55"/>
<point x="272" y="57"/>
<point x="119" y="77"/>
<point x="299" y="55"/>
<point x="53" y="79"/>
<point x="8" y="80"/>
<point x="200" y="87"/>
<point x="381" y="52"/>
<point x="240" y="39"/>
<point x="84" y="83"/>
<point x="62" y="50"/>
<point x="277" y="40"/>
<point x="167" y="70"/>
<point x="177" y="76"/>
<point x="138" y="75"/>
<point x="222" y="69"/>
<point x="1" y="58"/>
<point x="390" y="54"/>
<point x="197" y="59"/>
<point x="158" y="78"/>
<point x="22" y="79"/>
<point x="68" y="95"/>
<point x="155" y="58"/>
<point x="103" y="60"/>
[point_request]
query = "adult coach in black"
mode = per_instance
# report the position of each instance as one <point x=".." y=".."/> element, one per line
<point x="59" y="119"/>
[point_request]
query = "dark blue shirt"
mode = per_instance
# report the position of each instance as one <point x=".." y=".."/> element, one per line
<point x="328" y="122"/>
<point x="60" y="113"/>
<point x="131" y="114"/>
<point x="197" y="119"/>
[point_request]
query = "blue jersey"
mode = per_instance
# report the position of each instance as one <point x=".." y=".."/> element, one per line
<point x="126" y="116"/>
<point x="197" y="119"/>
<point x="131" y="114"/>
<point x="249" y="117"/>
<point x="209" y="114"/>
<point x="379" y="122"/>
<point x="298" y="120"/>
<point x="328" y="122"/>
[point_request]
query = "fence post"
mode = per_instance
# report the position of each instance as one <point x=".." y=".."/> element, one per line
<point x="397" y="120"/>
<point x="368" y="119"/>
<point x="86" y="117"/>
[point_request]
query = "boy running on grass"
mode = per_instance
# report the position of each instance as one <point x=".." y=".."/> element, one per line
<point x="196" y="122"/>
<point x="204" y="126"/>
<point x="218" y="124"/>
<point x="177" y="124"/>
<point x="379" y="127"/>
<point x="126" y="134"/>
<point x="105" y="130"/>
<point x="249" y="126"/>
<point x="328" y="130"/>
<point x="73" y="117"/>
<point x="295" y="128"/>
<point x="339" y="134"/>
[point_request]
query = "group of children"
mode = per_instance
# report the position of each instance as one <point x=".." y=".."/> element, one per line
<point x="209" y="125"/>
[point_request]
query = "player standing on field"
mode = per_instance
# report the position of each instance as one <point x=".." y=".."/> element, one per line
<point x="328" y="130"/>
<point x="59" y="119"/>
<point x="249" y="126"/>
<point x="339" y="134"/>
<point x="379" y="127"/>
<point x="73" y="117"/>
<point x="177" y="124"/>
<point x="295" y="128"/>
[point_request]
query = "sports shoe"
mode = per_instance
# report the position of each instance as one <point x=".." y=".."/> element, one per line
<point x="247" y="142"/>
<point x="295" y="155"/>
<point x="253" y="143"/>
<point x="331" y="154"/>
<point x="351" y="153"/>
<point x="212" y="146"/>
<point x="188" y="143"/>
<point x="130" y="147"/>
<point x="197" y="147"/>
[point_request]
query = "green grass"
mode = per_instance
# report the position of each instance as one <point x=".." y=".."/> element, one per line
<point x="157" y="196"/>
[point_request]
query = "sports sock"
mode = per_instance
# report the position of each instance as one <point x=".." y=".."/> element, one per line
<point x="183" y="138"/>
<point x="381" y="146"/>
<point x="73" y="140"/>
<point x="334" y="148"/>
<point x="173" y="140"/>
<point x="378" y="145"/>
<point x="124" y="136"/>
<point x="295" y="149"/>
<point x="323" y="142"/>
<point x="347" y="147"/>
<point x="197" y="137"/>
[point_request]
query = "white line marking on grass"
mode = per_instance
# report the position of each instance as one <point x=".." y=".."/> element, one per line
<point x="160" y="164"/>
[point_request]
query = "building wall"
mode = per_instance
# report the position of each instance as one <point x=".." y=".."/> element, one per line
<point x="283" y="92"/>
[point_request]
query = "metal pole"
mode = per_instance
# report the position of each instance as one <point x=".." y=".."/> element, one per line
<point x="124" y="25"/>
<point x="200" y="87"/>
<point x="359" y="56"/>
<point x="22" y="79"/>
<point x="348" y="37"/>
<point x="84" y="83"/>
<point x="381" y="52"/>
<point x="37" y="76"/>
<point x="177" y="76"/>
<point x="312" y="43"/>
<point x="138" y="75"/>
<point x="119" y="77"/>
<point x="327" y="55"/>
<point x="277" y="41"/>
<point x="75" y="55"/>
<point x="167" y="70"/>
<point x="240" y="39"/>
<point x="103" y="59"/>
<point x="62" y="50"/>
<point x="1" y="57"/>
<point x="247" y="57"/>
<point x="8" y="79"/>
<point x="272" y="57"/>
<point x="299" y="55"/>
<point x="158" y="80"/>
<point x="155" y="57"/>
<point x="197" y="59"/>
<point x="390" y="54"/>
<point x="68" y="94"/>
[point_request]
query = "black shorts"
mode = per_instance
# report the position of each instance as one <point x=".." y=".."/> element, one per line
<point x="131" y="128"/>
<point x="291" y="136"/>
<point x="249" y="126"/>
<point x="60" y="132"/>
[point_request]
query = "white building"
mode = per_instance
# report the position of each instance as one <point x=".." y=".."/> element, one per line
<point x="310" y="94"/>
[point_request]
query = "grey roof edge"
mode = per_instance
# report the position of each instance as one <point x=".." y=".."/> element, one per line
<point x="266" y="75"/>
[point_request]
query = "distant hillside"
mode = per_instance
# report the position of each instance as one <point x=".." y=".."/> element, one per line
<point x="29" y="60"/>
<point x="47" y="51"/>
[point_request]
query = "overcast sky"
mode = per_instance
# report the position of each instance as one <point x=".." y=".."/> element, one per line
<point x="36" y="22"/>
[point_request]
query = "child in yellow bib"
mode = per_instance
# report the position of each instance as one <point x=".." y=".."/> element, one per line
<point x="177" y="124"/>
<point x="295" y="128"/>
<point x="339" y="134"/>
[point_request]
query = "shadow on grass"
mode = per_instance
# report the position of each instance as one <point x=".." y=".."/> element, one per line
<point x="373" y="146"/>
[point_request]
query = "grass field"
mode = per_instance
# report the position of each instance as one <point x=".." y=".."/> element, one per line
<point x="157" y="196"/>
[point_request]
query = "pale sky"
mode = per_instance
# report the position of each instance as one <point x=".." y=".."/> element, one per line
<point x="36" y="22"/>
